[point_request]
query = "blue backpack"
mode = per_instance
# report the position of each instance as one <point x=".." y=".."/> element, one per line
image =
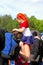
<point x="10" y="44"/>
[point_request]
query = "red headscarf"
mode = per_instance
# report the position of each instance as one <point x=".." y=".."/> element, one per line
<point x="21" y="16"/>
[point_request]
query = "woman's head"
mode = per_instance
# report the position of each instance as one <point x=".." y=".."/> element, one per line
<point x="21" y="16"/>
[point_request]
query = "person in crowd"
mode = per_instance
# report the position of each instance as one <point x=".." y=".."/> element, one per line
<point x="41" y="52"/>
<point x="2" y="43"/>
<point x="9" y="48"/>
<point x="35" y="49"/>
<point x="25" y="41"/>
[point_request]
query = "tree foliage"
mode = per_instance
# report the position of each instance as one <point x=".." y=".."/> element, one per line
<point x="6" y="22"/>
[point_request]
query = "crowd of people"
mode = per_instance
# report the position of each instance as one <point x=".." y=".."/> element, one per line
<point x="21" y="46"/>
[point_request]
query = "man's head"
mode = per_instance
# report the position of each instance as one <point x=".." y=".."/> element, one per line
<point x="17" y="36"/>
<point x="34" y="33"/>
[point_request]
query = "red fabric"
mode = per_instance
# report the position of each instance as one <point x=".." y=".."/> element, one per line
<point x="24" y="24"/>
<point x="19" y="62"/>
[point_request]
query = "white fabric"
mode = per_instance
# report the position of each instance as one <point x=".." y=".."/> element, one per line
<point x="37" y="37"/>
<point x="27" y="32"/>
<point x="42" y="37"/>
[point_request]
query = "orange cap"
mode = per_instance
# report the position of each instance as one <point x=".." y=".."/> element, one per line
<point x="21" y="16"/>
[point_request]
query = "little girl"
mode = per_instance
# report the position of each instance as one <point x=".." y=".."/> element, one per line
<point x="26" y="40"/>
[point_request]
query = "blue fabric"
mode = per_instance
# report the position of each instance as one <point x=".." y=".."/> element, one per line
<point x="40" y="63"/>
<point x="8" y="41"/>
<point x="12" y="62"/>
<point x="27" y="39"/>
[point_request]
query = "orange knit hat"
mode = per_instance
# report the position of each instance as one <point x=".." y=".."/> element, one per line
<point x="21" y="16"/>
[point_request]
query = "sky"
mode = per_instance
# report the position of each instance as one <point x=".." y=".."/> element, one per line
<point x="28" y="7"/>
